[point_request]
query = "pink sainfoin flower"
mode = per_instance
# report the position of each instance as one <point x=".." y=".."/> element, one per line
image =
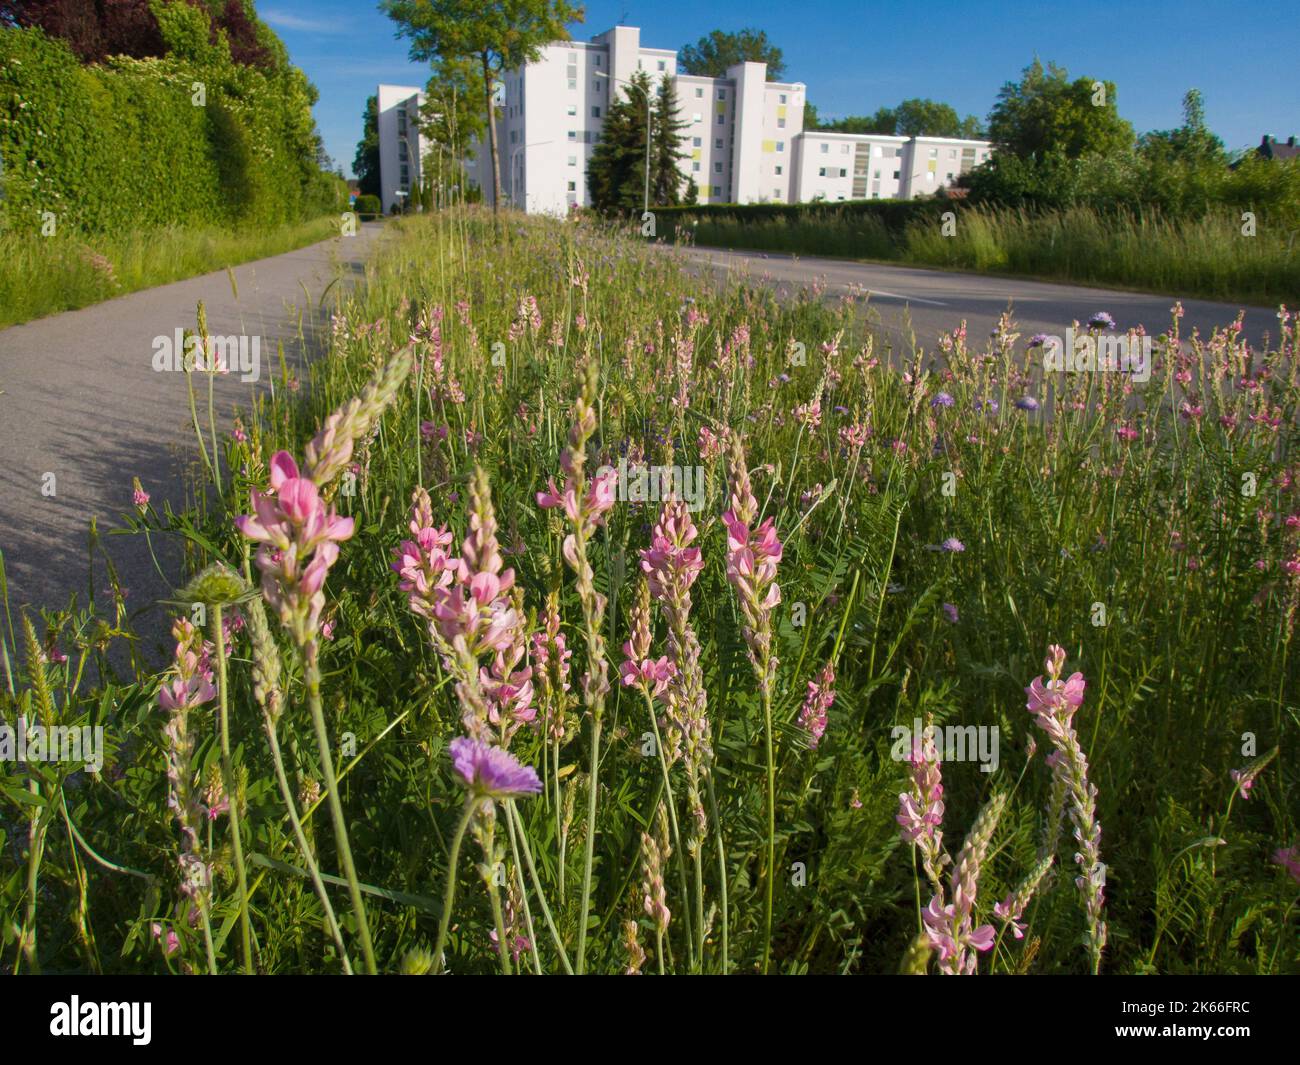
<point x="1053" y="704"/>
<point x="752" y="557"/>
<point x="422" y="563"/>
<point x="474" y="615"/>
<point x="139" y="496"/>
<point x="639" y="669"/>
<point x="190" y="687"/>
<point x="920" y="810"/>
<point x="952" y="927"/>
<point x="298" y="537"/>
<point x="816" y="705"/>
<point x="671" y="565"/>
<point x="1011" y="910"/>
<point x="551" y="657"/>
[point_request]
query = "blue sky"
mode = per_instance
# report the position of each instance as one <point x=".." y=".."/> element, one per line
<point x="856" y="57"/>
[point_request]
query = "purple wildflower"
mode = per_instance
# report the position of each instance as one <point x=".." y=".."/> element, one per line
<point x="490" y="772"/>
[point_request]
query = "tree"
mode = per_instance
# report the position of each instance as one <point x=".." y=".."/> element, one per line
<point x="667" y="149"/>
<point x="97" y="29"/>
<point x="1191" y="142"/>
<point x="616" y="170"/>
<point x="911" y="118"/>
<point x="1045" y="113"/>
<point x="499" y="35"/>
<point x="365" y="164"/>
<point x="712" y="55"/>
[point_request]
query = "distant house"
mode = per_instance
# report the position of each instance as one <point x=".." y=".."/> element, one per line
<point x="1270" y="149"/>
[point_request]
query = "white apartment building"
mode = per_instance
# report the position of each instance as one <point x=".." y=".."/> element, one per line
<point x="401" y="146"/>
<point x="744" y="140"/>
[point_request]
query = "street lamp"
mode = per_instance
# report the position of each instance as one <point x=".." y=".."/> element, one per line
<point x="646" y="94"/>
<point x="513" y="153"/>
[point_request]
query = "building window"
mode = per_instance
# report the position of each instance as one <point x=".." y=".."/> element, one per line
<point x="722" y="119"/>
<point x="663" y="65"/>
<point x="843" y="172"/>
<point x="699" y="93"/>
<point x="779" y="170"/>
<point x="722" y="94"/>
<point x="781" y="98"/>
<point x="717" y="168"/>
<point x="573" y="186"/>
<point x="405" y="178"/>
<point x="573" y="109"/>
<point x="934" y="153"/>
<point x="780" y="146"/>
<point x="780" y="123"/>
<point x="825" y="148"/>
<point x="595" y="111"/>
<point x="929" y="175"/>
<point x="717" y="190"/>
<point x="776" y="194"/>
<point x="897" y="174"/>
<point x="695" y="168"/>
<point x="898" y="153"/>
<point x="573" y="160"/>
<point x="573" y="57"/>
<point x="697" y="117"/>
<point x="573" y="83"/>
<point x="573" y="134"/>
<point x="597" y="85"/>
<point x="514" y="136"/>
<point x="597" y="60"/>
<point x="952" y="153"/>
<point x="844" y="149"/>
<point x="717" y="143"/>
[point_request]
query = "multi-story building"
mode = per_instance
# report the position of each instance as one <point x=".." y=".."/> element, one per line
<point x="401" y="145"/>
<point x="744" y="140"/>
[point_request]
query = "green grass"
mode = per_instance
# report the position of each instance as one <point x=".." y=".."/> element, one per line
<point x="1208" y="257"/>
<point x="1161" y="562"/>
<point x="46" y="275"/>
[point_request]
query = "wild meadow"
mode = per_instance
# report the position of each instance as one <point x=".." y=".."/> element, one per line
<point x="578" y="616"/>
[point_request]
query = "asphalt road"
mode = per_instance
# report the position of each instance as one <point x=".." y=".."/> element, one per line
<point x="83" y="410"/>
<point x="934" y="301"/>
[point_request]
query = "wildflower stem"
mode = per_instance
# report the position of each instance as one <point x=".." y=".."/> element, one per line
<point x="313" y="870"/>
<point x="523" y="894"/>
<point x="771" y="827"/>
<point x="537" y="887"/>
<point x="311" y="652"/>
<point x="722" y="875"/>
<point x="232" y="796"/>
<point x="590" y="843"/>
<point x="449" y="893"/>
<point x="672" y="818"/>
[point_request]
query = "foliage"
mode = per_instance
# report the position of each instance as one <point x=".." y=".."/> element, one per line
<point x="1045" y="113"/>
<point x="365" y="164"/>
<point x="711" y="55"/>
<point x="911" y="118"/>
<point x="191" y="138"/>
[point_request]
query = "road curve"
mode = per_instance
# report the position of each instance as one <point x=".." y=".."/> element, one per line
<point x="936" y="301"/>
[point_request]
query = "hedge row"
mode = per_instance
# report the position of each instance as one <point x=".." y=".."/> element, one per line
<point x="191" y="138"/>
<point x="894" y="215"/>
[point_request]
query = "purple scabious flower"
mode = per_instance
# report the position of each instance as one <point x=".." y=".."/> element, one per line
<point x="490" y="772"/>
<point x="1101" y="320"/>
<point x="952" y="544"/>
<point x="1038" y="340"/>
<point x="942" y="399"/>
<point x="950" y="612"/>
<point x="1027" y="403"/>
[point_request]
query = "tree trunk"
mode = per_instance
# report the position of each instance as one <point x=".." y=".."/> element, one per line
<point x="492" y="135"/>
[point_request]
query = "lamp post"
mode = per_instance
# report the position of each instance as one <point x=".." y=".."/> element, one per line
<point x="632" y="85"/>
<point x="515" y="152"/>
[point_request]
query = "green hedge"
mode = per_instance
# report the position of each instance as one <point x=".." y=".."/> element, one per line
<point x="124" y="145"/>
<point x="893" y="215"/>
